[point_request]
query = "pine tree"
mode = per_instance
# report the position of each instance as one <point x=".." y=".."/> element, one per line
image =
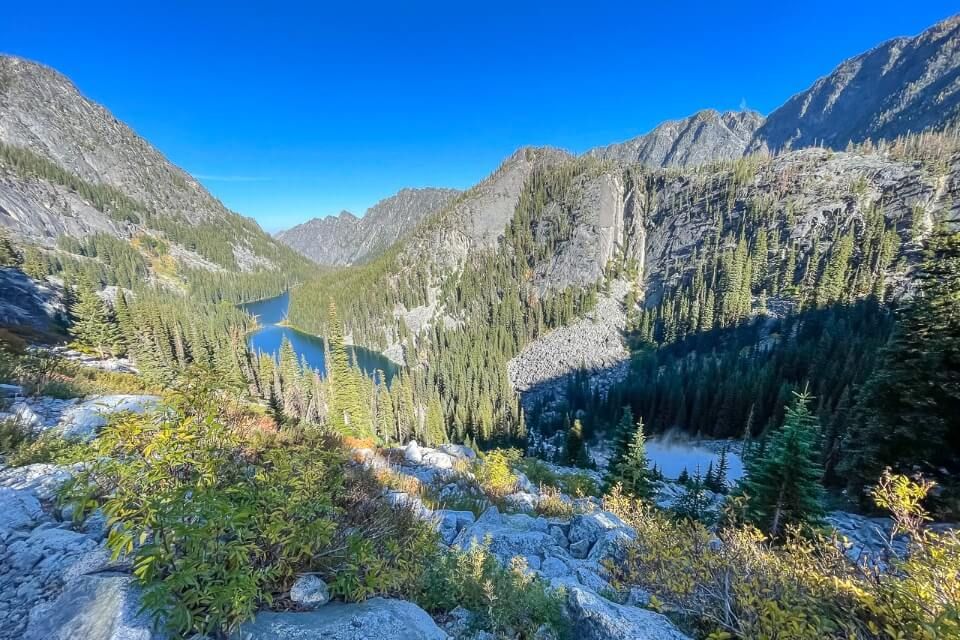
<point x="8" y="254"/>
<point x="783" y="484"/>
<point x="93" y="328"/>
<point x="909" y="410"/>
<point x="693" y="502"/>
<point x="633" y="472"/>
<point x="576" y="451"/>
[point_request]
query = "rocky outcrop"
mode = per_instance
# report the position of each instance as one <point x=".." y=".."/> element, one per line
<point x="24" y="302"/>
<point x="94" y="607"/>
<point x="74" y="418"/>
<point x="374" y="619"/>
<point x="346" y="239"/>
<point x="594" y="618"/>
<point x="706" y="136"/>
<point x="905" y="85"/>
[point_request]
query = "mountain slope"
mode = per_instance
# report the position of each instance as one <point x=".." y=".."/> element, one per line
<point x="904" y="85"/>
<point x="346" y="239"/>
<point x="69" y="168"/>
<point x="704" y="137"/>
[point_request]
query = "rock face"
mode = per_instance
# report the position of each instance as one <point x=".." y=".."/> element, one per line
<point x="374" y="619"/>
<point x="73" y="418"/>
<point x="27" y="303"/>
<point x="346" y="239"/>
<point x="706" y="136"/>
<point x="905" y="85"/>
<point x="42" y="112"/>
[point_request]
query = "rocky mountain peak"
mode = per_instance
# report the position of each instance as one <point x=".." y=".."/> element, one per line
<point x="905" y="85"/>
<point x="706" y="136"/>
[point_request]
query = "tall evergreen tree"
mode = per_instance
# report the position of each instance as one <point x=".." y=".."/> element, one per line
<point x="93" y="328"/>
<point x="633" y="470"/>
<point x="783" y="483"/>
<point x="909" y="410"/>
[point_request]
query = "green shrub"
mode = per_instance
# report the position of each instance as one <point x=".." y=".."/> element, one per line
<point x="505" y="600"/>
<point x="493" y="471"/>
<point x="802" y="589"/>
<point x="218" y="521"/>
<point x="572" y="484"/>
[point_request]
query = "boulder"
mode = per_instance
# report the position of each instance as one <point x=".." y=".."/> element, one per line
<point x="412" y="454"/>
<point x="594" y="618"/>
<point x="94" y="607"/>
<point x="580" y="549"/>
<point x="436" y="459"/>
<point x="458" y="451"/>
<point x="589" y="526"/>
<point x="553" y="567"/>
<point x="374" y="619"/>
<point x="450" y="523"/>
<point x="522" y="501"/>
<point x="42" y="480"/>
<point x="10" y="390"/>
<point x="309" y="592"/>
<point x="83" y="421"/>
<point x="17" y="509"/>
<point x="513" y="535"/>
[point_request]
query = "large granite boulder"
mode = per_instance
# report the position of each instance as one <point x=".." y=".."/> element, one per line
<point x="594" y="618"/>
<point x="93" y="607"/>
<point x="374" y="619"/>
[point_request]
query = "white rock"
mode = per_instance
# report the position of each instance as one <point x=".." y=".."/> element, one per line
<point x="84" y="420"/>
<point x="310" y="592"/>
<point x="373" y="619"/>
<point x="17" y="509"/>
<point x="458" y="451"/>
<point x="437" y="460"/>
<point x="412" y="453"/>
<point x="594" y="618"/>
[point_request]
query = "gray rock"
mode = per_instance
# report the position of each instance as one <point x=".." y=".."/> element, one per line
<point x="10" y="390"/>
<point x="309" y="592"/>
<point x="522" y="501"/>
<point x="450" y="523"/>
<point x="374" y="619"/>
<point x="17" y="509"/>
<point x="594" y="618"/>
<point x="96" y="607"/>
<point x="458" y="451"/>
<point x="580" y="549"/>
<point x="42" y="480"/>
<point x="553" y="567"/>
<point x="83" y="421"/>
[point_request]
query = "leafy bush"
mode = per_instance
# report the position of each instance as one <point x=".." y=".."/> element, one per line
<point x="572" y="484"/>
<point x="506" y="600"/>
<point x="735" y="583"/>
<point x="552" y="503"/>
<point x="219" y="520"/>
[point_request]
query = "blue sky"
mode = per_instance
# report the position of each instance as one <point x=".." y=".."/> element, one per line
<point x="288" y="111"/>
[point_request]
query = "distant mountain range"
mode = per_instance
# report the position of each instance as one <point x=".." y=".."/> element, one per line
<point x="70" y="168"/>
<point x="346" y="239"/>
<point x="905" y="85"/>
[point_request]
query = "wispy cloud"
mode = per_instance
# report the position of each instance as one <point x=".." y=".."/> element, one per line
<point x="215" y="178"/>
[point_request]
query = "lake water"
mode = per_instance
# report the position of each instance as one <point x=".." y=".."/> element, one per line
<point x="672" y="456"/>
<point x="270" y="335"/>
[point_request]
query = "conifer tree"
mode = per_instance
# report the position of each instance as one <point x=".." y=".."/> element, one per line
<point x="783" y="483"/>
<point x="909" y="410"/>
<point x="576" y="451"/>
<point x="633" y="472"/>
<point x="93" y="328"/>
<point x="8" y="254"/>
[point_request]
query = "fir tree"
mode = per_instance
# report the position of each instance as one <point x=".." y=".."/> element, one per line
<point x="633" y="472"/>
<point x="8" y="254"/>
<point x="576" y="451"/>
<point x="93" y="328"/>
<point x="783" y="483"/>
<point x="909" y="410"/>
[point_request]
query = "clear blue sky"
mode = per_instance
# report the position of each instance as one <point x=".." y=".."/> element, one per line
<point x="288" y="111"/>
